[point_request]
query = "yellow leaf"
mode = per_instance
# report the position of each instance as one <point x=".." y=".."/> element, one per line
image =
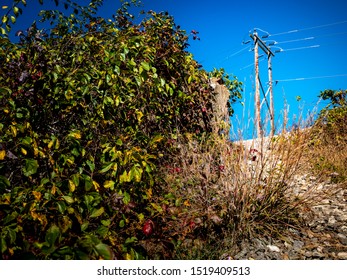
<point x="186" y="203"/>
<point x="7" y="198"/>
<point x="33" y="214"/>
<point x="13" y="130"/>
<point x="50" y="144"/>
<point x="2" y="154"/>
<point x="139" y="115"/>
<point x="57" y="144"/>
<point x="37" y="195"/>
<point x="96" y="186"/>
<point x="4" y="7"/>
<point x="36" y="150"/>
<point x="128" y="256"/>
<point x="36" y="216"/>
<point x="141" y="217"/>
<point x="109" y="185"/>
<point x="149" y="193"/>
<point x="24" y="151"/>
<point x="53" y="190"/>
<point x="72" y="186"/>
<point x="75" y="134"/>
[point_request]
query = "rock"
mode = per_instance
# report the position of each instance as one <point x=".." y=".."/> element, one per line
<point x="342" y="238"/>
<point x="242" y="254"/>
<point x="343" y="229"/>
<point x="331" y="220"/>
<point x="273" y="248"/>
<point x="317" y="255"/>
<point x="342" y="255"/>
<point x="297" y="245"/>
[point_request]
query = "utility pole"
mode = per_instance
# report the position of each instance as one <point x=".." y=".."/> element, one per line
<point x="259" y="43"/>
<point x="257" y="94"/>
<point x="272" y="110"/>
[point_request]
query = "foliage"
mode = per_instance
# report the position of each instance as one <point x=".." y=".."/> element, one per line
<point x="329" y="134"/>
<point x="13" y="12"/>
<point x="336" y="97"/>
<point x="87" y="112"/>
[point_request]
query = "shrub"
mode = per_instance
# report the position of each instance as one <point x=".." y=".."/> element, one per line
<point x="329" y="134"/>
<point x="86" y="114"/>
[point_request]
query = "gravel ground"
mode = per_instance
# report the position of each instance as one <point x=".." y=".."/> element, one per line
<point x="324" y="236"/>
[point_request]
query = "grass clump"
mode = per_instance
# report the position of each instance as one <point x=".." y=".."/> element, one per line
<point x="231" y="191"/>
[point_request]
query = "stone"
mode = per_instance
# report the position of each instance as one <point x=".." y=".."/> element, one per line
<point x="342" y="238"/>
<point x="273" y="248"/>
<point x="297" y="245"/>
<point x="331" y="220"/>
<point x="342" y="255"/>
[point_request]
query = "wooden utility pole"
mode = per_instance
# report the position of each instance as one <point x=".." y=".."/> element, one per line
<point x="257" y="94"/>
<point x="272" y="110"/>
<point x="259" y="43"/>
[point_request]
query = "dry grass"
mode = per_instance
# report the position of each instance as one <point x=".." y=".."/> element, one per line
<point x="247" y="189"/>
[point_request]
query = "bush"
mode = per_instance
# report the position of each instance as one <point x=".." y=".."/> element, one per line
<point x="87" y="112"/>
<point x="329" y="141"/>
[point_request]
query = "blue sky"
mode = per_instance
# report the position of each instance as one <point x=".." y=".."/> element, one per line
<point x="312" y="37"/>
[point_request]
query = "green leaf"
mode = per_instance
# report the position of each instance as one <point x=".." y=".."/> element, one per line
<point x="108" y="78"/>
<point x="106" y="223"/>
<point x="119" y="142"/>
<point x="126" y="198"/>
<point x="104" y="251"/>
<point x="30" y="167"/>
<point x="97" y="212"/>
<point x="135" y="173"/>
<point x="117" y="70"/>
<point x="4" y="183"/>
<point x="13" y="19"/>
<point x="88" y="182"/>
<point x="91" y="165"/>
<point x="76" y="179"/>
<point x="12" y="235"/>
<point x="52" y="234"/>
<point x="84" y="226"/>
<point x="3" y="245"/>
<point x="106" y="167"/>
<point x="61" y="206"/>
<point x="145" y="66"/>
<point x="68" y="199"/>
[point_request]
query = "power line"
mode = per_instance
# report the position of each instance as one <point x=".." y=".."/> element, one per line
<point x="273" y="42"/>
<point x="307" y="28"/>
<point x="310" y="78"/>
<point x="252" y="64"/>
<point x="299" y="48"/>
<point x="235" y="53"/>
